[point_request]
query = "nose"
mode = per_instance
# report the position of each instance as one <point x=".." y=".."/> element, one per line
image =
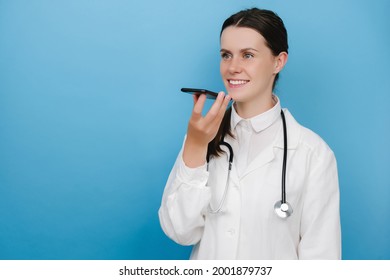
<point x="235" y="66"/>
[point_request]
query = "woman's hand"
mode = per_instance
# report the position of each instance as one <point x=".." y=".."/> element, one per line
<point x="203" y="129"/>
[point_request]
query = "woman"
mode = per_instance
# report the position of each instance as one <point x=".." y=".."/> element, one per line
<point x="242" y="223"/>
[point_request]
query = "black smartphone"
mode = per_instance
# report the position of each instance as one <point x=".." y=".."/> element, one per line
<point x="209" y="94"/>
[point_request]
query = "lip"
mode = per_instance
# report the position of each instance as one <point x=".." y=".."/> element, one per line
<point x="237" y="83"/>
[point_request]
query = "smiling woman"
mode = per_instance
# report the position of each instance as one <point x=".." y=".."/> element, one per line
<point x="249" y="69"/>
<point x="234" y="218"/>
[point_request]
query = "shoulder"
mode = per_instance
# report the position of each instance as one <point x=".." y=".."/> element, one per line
<point x="306" y="138"/>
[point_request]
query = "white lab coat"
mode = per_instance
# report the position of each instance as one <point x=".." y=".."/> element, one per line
<point x="247" y="227"/>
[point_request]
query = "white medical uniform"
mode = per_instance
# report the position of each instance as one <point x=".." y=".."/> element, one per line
<point x="247" y="227"/>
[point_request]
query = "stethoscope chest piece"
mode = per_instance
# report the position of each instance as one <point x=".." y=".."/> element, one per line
<point x="283" y="210"/>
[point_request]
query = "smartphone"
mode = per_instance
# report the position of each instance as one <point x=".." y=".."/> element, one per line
<point x="209" y="94"/>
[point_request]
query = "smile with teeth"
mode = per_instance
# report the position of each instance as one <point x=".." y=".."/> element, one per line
<point x="238" y="82"/>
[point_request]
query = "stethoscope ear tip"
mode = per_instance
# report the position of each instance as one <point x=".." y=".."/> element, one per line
<point x="283" y="210"/>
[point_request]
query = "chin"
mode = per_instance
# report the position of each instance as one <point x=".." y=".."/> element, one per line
<point x="238" y="95"/>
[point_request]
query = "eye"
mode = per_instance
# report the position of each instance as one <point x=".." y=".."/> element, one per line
<point x="225" y="55"/>
<point x="248" y="55"/>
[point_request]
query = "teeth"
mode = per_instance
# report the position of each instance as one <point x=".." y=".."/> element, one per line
<point x="238" y="82"/>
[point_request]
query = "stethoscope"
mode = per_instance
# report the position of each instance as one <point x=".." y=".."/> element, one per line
<point x="282" y="208"/>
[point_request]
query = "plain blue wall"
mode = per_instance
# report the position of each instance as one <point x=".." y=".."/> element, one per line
<point x="91" y="117"/>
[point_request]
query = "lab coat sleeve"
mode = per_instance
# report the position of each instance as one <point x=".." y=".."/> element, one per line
<point x="184" y="202"/>
<point x="320" y="224"/>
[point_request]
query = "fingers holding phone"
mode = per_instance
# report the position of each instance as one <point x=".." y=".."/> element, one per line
<point x="206" y="126"/>
<point x="202" y="129"/>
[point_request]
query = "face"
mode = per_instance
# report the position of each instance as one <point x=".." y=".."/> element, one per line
<point x="248" y="67"/>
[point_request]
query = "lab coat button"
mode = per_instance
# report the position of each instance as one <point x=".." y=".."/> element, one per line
<point x="231" y="231"/>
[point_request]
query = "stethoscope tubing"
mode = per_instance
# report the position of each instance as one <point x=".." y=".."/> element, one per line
<point x="284" y="166"/>
<point x="219" y="208"/>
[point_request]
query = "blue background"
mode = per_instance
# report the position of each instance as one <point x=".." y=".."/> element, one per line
<point x="91" y="116"/>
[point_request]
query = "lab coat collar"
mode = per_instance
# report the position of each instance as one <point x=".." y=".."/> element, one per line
<point x="293" y="136"/>
<point x="293" y="133"/>
<point x="261" y="121"/>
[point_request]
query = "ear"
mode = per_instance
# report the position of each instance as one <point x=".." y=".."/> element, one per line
<point x="280" y="61"/>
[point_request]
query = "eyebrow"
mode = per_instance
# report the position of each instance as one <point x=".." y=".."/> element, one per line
<point x="241" y="51"/>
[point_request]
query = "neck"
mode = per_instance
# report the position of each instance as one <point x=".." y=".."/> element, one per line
<point x="253" y="108"/>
